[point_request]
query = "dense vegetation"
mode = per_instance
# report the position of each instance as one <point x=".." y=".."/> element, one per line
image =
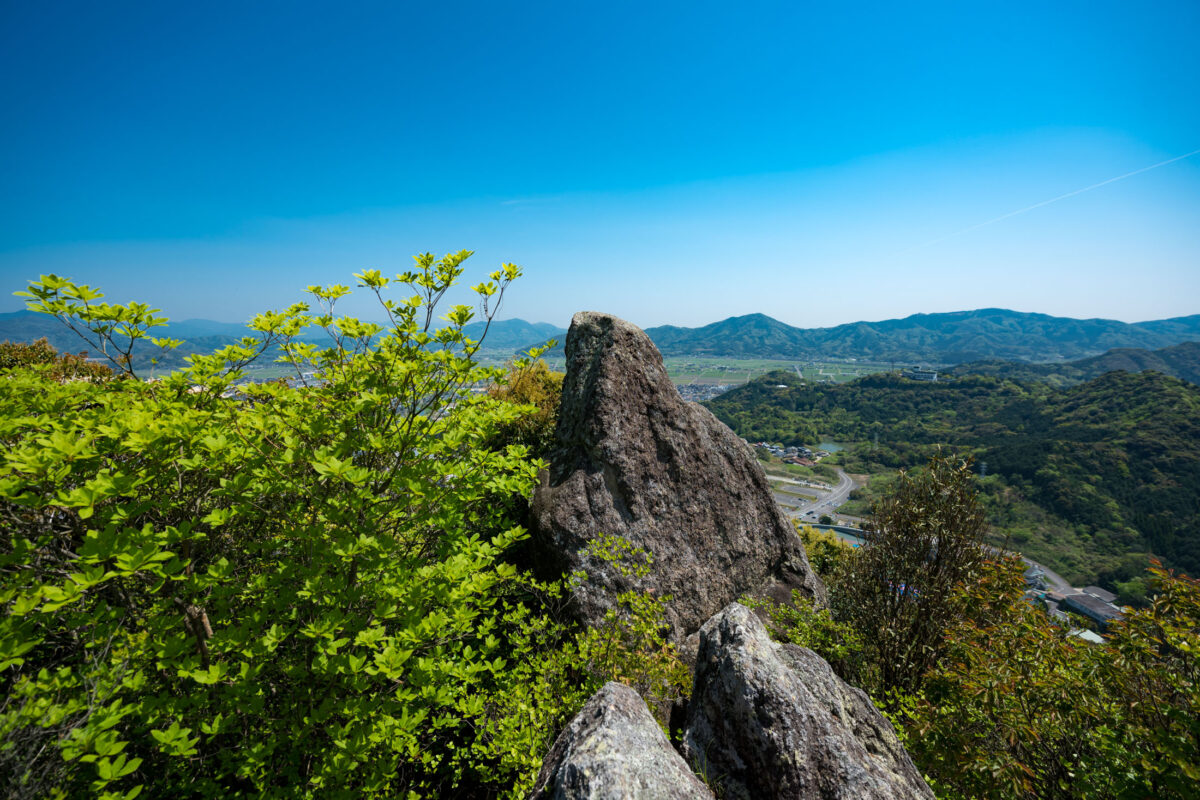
<point x="937" y="338"/>
<point x="286" y="591"/>
<point x="1179" y="361"/>
<point x="1090" y="480"/>
<point x="994" y="700"/>
<point x="310" y="590"/>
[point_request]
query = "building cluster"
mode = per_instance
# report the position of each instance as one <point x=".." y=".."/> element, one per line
<point x="1091" y="602"/>
<point x="804" y="456"/>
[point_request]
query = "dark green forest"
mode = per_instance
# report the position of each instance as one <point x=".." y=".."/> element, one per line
<point x="1092" y="479"/>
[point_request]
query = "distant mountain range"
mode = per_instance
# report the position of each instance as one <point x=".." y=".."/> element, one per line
<point x="515" y="334"/>
<point x="950" y="338"/>
<point x="1179" y="361"/>
<point x="206" y="335"/>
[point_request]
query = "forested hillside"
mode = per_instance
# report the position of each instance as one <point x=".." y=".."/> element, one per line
<point x="1089" y="479"/>
<point x="949" y="338"/>
<point x="1179" y="361"/>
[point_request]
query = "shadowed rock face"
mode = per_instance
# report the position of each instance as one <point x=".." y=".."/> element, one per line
<point x="637" y="461"/>
<point x="772" y="720"/>
<point x="614" y="749"/>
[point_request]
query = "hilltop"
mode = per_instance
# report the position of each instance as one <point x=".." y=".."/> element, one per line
<point x="1179" y="361"/>
<point x="949" y="338"/>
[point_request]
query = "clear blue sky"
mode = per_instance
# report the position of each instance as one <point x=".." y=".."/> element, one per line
<point x="669" y="162"/>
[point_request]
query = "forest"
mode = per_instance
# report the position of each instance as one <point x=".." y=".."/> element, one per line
<point x="1092" y="479"/>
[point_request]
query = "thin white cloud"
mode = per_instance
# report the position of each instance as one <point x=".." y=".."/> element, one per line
<point x="1027" y="209"/>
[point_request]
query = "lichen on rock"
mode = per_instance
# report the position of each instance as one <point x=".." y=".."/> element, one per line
<point x="635" y="460"/>
<point x="773" y="720"/>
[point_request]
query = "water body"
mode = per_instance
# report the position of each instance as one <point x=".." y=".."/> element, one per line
<point x="832" y="447"/>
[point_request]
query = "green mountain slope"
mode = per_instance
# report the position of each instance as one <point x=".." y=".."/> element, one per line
<point x="1089" y="479"/>
<point x="1179" y="361"/>
<point x="949" y="338"/>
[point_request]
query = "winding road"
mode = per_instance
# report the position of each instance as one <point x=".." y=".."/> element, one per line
<point x="826" y="503"/>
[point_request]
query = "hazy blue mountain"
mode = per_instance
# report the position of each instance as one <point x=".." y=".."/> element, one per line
<point x="1183" y="327"/>
<point x="206" y="335"/>
<point x="27" y="326"/>
<point x="515" y="334"/>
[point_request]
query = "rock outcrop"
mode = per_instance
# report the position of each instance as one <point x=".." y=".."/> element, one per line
<point x="614" y="749"/>
<point x="635" y="460"/>
<point x="770" y="720"/>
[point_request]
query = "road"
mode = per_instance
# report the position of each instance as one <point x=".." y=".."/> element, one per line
<point x="827" y="503"/>
<point x="1055" y="582"/>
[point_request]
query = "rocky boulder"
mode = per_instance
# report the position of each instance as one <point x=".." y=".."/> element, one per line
<point x="637" y="461"/>
<point x="772" y="720"/>
<point x="614" y="749"/>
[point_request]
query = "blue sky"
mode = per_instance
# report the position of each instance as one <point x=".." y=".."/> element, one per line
<point x="669" y="162"/>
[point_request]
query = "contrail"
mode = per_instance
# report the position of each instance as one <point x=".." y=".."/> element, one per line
<point x="1053" y="200"/>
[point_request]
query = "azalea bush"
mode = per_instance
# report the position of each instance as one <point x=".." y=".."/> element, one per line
<point x="286" y="589"/>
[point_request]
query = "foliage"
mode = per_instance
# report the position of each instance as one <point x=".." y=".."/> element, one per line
<point x="533" y="384"/>
<point x="58" y="366"/>
<point x="1017" y="708"/>
<point x="898" y="591"/>
<point x="826" y="552"/>
<point x="1087" y="480"/>
<point x="629" y="645"/>
<point x="557" y="667"/>
<point x="802" y="623"/>
<point x="278" y="590"/>
<point x="1155" y="678"/>
<point x="1012" y="709"/>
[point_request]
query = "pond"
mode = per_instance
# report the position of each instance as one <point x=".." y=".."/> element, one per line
<point x="832" y="447"/>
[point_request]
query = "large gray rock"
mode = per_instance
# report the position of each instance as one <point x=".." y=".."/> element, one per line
<point x="772" y="720"/>
<point x="635" y="460"/>
<point x="614" y="749"/>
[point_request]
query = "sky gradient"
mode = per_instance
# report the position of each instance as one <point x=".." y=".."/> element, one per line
<point x="673" y="163"/>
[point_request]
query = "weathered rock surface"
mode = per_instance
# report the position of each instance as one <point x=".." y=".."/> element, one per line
<point x="637" y="461"/>
<point x="614" y="749"/>
<point x="772" y="720"/>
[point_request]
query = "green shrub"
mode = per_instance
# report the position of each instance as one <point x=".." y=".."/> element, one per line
<point x="825" y="550"/>
<point x="1018" y="708"/>
<point x="278" y="590"/>
<point x="802" y="623"/>
<point x="58" y="366"/>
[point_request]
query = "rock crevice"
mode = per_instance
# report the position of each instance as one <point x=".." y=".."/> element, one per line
<point x="772" y="720"/>
<point x="614" y="749"/>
